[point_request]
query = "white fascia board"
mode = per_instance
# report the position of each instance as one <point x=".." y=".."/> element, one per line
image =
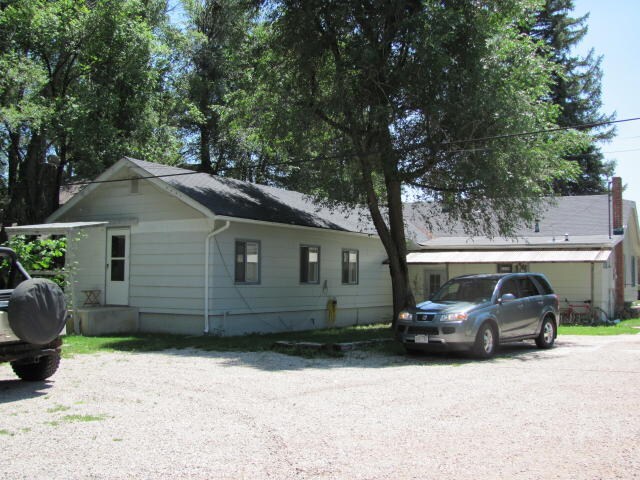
<point x="52" y="228"/>
<point x="298" y="227"/>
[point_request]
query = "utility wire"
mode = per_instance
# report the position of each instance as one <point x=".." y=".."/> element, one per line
<point x="346" y="154"/>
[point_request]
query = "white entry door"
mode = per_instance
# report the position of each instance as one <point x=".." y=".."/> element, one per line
<point x="433" y="280"/>
<point x="117" y="284"/>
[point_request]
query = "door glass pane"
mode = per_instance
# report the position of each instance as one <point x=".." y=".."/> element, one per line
<point x="117" y="270"/>
<point x="118" y="246"/>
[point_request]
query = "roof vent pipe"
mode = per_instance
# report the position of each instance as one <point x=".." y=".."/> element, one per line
<point x="566" y="237"/>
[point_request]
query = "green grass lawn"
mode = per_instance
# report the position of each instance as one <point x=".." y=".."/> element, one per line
<point x="77" y="344"/>
<point x="624" y="327"/>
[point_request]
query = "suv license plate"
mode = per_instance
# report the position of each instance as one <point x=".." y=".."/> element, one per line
<point x="421" y="339"/>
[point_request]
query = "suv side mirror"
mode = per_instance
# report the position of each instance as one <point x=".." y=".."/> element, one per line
<point x="506" y="298"/>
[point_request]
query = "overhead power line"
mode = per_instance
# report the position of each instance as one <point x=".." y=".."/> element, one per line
<point x="585" y="126"/>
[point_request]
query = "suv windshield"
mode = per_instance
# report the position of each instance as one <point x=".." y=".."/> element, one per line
<point x="473" y="290"/>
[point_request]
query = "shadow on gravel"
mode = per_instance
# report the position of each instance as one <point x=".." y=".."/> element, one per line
<point x="16" y="390"/>
<point x="260" y="351"/>
<point x="372" y="359"/>
<point x="520" y="351"/>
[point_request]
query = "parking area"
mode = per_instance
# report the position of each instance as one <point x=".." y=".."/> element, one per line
<point x="569" y="412"/>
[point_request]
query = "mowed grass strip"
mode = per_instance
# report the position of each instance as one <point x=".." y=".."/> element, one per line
<point x="626" y="327"/>
<point x="78" y="344"/>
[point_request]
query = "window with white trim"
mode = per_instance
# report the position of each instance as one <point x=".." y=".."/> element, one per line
<point x="309" y="264"/>
<point x="349" y="267"/>
<point x="247" y="261"/>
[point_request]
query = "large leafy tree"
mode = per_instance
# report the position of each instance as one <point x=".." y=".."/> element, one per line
<point x="209" y="72"/>
<point x="79" y="89"/>
<point x="576" y="90"/>
<point x="421" y="94"/>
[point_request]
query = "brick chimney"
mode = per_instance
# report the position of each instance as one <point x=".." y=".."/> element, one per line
<point x="618" y="229"/>
<point x="616" y="205"/>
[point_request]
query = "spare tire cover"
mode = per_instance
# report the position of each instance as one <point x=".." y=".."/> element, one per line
<point x="37" y="311"/>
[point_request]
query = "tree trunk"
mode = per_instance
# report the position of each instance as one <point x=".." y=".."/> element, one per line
<point x="205" y="148"/>
<point x="34" y="186"/>
<point x="392" y="236"/>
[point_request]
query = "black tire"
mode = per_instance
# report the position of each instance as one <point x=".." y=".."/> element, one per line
<point x="548" y="333"/>
<point x="37" y="371"/>
<point x="37" y="311"/>
<point x="486" y="342"/>
<point x="412" y="350"/>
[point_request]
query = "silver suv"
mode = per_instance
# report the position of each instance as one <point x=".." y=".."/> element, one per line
<point x="478" y="312"/>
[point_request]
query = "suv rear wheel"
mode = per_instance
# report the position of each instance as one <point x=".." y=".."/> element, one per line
<point x="38" y="370"/>
<point x="547" y="333"/>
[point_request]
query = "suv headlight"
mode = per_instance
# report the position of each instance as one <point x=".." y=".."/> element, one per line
<point x="452" y="317"/>
<point x="406" y="316"/>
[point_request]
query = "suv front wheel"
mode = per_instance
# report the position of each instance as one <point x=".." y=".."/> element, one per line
<point x="486" y="341"/>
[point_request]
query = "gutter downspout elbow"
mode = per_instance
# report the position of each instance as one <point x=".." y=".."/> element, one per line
<point x="207" y="244"/>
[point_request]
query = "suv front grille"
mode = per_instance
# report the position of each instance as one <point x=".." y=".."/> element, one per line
<point x="425" y="317"/>
<point x="413" y="330"/>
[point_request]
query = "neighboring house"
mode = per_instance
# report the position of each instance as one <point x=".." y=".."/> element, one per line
<point x="588" y="246"/>
<point x="187" y="252"/>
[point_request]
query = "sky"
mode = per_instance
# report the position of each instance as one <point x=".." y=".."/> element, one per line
<point x="614" y="33"/>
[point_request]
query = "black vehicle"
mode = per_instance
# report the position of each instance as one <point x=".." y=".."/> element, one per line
<point x="478" y="312"/>
<point x="32" y="317"/>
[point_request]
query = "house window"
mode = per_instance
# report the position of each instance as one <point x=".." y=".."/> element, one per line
<point x="350" y="267"/>
<point x="633" y="271"/>
<point x="309" y="264"/>
<point x="505" y="268"/>
<point x="247" y="261"/>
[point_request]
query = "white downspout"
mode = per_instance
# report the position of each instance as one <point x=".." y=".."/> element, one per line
<point x="207" y="244"/>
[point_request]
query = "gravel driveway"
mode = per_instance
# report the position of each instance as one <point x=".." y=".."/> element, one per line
<point x="569" y="412"/>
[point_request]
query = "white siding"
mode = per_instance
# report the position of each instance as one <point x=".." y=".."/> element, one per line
<point x="86" y="263"/>
<point x="113" y="201"/>
<point x="631" y="248"/>
<point x="167" y="269"/>
<point x="280" y="301"/>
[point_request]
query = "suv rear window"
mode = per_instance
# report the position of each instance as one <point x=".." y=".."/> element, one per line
<point x="543" y="285"/>
<point x="527" y="287"/>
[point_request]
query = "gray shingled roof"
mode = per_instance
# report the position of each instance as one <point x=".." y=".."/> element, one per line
<point x="229" y="197"/>
<point x="584" y="218"/>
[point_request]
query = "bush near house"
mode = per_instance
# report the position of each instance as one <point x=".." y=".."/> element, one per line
<point x="41" y="257"/>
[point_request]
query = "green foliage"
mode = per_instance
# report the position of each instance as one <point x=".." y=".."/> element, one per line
<point x="576" y="90"/>
<point x="41" y="255"/>
<point x="405" y="91"/>
<point x="82" y="85"/>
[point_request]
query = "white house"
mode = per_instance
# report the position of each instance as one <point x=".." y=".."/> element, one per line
<point x="162" y="249"/>
<point x="187" y="252"/>
<point x="588" y="246"/>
